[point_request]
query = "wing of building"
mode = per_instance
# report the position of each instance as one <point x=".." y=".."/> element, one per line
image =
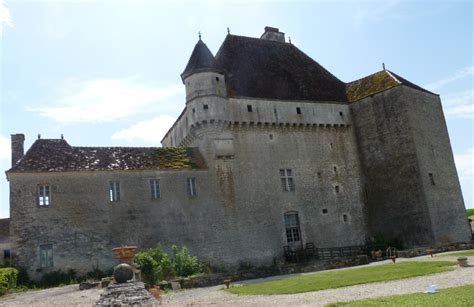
<point x="271" y="150"/>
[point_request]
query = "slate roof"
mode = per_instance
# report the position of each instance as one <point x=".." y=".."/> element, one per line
<point x="201" y="59"/>
<point x="56" y="155"/>
<point x="376" y="83"/>
<point x="269" y="69"/>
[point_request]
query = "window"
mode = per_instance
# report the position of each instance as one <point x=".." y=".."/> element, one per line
<point x="114" y="191"/>
<point x="345" y="218"/>
<point x="155" y="188"/>
<point x="46" y="255"/>
<point x="205" y="107"/>
<point x="319" y="174"/>
<point x="6" y="254"/>
<point x="217" y="79"/>
<point x="325" y="211"/>
<point x="249" y="107"/>
<point x="270" y="136"/>
<point x="44" y="195"/>
<point x="194" y="110"/>
<point x="298" y="110"/>
<point x="292" y="226"/>
<point x="336" y="188"/>
<point x="432" y="179"/>
<point x="335" y="170"/>
<point x="340" y="114"/>
<point x="191" y="183"/>
<point x="286" y="178"/>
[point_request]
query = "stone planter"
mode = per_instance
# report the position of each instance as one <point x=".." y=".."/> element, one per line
<point x="125" y="253"/>
<point x="462" y="261"/>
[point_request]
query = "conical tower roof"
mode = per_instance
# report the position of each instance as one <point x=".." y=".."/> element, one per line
<point x="201" y="59"/>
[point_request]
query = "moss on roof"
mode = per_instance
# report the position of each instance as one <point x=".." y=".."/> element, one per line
<point x="370" y="85"/>
<point x="174" y="158"/>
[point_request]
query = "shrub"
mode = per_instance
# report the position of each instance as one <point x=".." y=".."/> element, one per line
<point x="97" y="274"/>
<point x="156" y="265"/>
<point x="185" y="264"/>
<point x="8" y="279"/>
<point x="56" y="278"/>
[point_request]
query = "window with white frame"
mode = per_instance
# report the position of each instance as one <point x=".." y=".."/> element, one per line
<point x="114" y="191"/>
<point x="292" y="227"/>
<point x="46" y="255"/>
<point x="44" y="195"/>
<point x="191" y="183"/>
<point x="155" y="188"/>
<point x="286" y="179"/>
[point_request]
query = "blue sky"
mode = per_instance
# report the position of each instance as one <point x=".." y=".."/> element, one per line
<point x="106" y="73"/>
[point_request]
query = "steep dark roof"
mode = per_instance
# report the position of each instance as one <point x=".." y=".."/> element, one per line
<point x="4" y="230"/>
<point x="200" y="59"/>
<point x="268" y="69"/>
<point x="54" y="155"/>
<point x="376" y="83"/>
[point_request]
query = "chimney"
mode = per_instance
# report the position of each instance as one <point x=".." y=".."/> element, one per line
<point x="273" y="34"/>
<point x="18" y="141"/>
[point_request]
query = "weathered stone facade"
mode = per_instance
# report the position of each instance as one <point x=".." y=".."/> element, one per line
<point x="358" y="166"/>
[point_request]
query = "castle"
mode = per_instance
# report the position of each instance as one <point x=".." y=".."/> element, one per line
<point x="271" y="150"/>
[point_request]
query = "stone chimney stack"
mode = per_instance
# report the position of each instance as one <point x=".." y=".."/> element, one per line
<point x="273" y="34"/>
<point x="18" y="142"/>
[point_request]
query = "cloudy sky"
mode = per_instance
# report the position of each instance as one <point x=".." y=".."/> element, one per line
<point x="106" y="73"/>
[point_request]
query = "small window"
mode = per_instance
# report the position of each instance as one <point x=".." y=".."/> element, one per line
<point x="205" y="107"/>
<point x="191" y="183"/>
<point x="432" y="179"/>
<point x="335" y="170"/>
<point x="330" y="145"/>
<point x="6" y="254"/>
<point x="345" y="218"/>
<point x="336" y="188"/>
<point x="155" y="188"/>
<point x="298" y="110"/>
<point x="319" y="174"/>
<point x="270" y="136"/>
<point x="217" y="79"/>
<point x="286" y="179"/>
<point x="46" y="255"/>
<point x="325" y="211"/>
<point x="194" y="110"/>
<point x="114" y="191"/>
<point x="44" y="195"/>
<point x="340" y="114"/>
<point x="249" y="107"/>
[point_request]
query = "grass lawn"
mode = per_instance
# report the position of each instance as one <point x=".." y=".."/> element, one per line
<point x="470" y="212"/>
<point x="459" y="296"/>
<point x="461" y="253"/>
<point x="343" y="278"/>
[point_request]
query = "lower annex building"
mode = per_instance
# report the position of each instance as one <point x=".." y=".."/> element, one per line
<point x="271" y="150"/>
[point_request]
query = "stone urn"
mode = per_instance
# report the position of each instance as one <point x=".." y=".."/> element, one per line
<point x="462" y="261"/>
<point x="125" y="253"/>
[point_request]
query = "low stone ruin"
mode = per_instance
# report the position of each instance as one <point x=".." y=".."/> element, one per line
<point x="132" y="293"/>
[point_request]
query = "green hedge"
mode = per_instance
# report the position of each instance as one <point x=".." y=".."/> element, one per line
<point x="8" y="278"/>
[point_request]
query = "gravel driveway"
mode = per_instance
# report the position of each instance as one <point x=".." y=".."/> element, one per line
<point x="213" y="296"/>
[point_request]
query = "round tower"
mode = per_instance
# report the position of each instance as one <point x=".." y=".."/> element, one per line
<point x="200" y="77"/>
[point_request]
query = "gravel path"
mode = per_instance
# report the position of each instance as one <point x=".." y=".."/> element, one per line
<point x="213" y="296"/>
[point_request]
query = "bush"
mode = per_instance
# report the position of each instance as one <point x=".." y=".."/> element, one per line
<point x="56" y="278"/>
<point x="97" y="274"/>
<point x="184" y="264"/>
<point x="8" y="279"/>
<point x="156" y="265"/>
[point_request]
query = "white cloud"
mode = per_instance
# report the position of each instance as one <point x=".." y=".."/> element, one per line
<point x="460" y="74"/>
<point x="465" y="165"/>
<point x="5" y="17"/>
<point x="151" y="131"/>
<point x="104" y="100"/>
<point x="460" y="104"/>
<point x="5" y="148"/>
